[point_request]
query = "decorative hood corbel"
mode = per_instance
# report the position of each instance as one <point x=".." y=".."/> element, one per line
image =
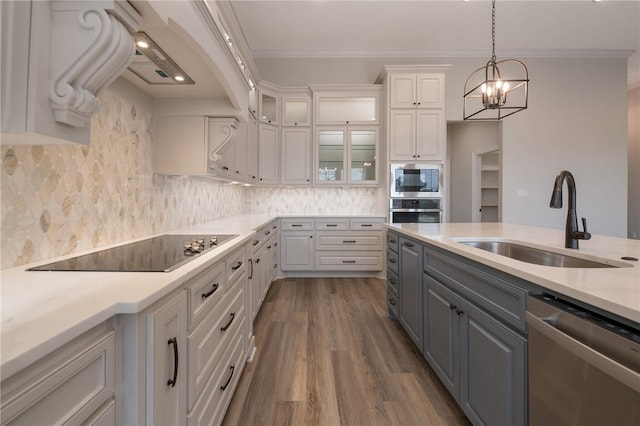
<point x="222" y="132"/>
<point x="90" y="47"/>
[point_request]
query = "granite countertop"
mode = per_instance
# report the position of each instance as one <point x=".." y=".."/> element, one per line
<point x="616" y="290"/>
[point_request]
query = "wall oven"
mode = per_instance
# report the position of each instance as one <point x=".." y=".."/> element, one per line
<point x="416" y="181"/>
<point x="421" y="210"/>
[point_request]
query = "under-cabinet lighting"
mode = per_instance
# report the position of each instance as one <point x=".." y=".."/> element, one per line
<point x="142" y="44"/>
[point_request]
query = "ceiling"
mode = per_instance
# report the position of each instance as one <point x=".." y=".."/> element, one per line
<point x="444" y="28"/>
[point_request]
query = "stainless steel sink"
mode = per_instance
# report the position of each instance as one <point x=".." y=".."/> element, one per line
<point x="538" y="256"/>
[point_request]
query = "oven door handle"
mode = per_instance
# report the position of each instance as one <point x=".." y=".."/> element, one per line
<point x="603" y="363"/>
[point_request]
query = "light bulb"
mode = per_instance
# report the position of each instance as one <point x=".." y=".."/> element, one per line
<point x="499" y="84"/>
<point x="143" y="44"/>
<point x="505" y="87"/>
<point x="483" y="87"/>
<point x="489" y="91"/>
<point x="178" y="78"/>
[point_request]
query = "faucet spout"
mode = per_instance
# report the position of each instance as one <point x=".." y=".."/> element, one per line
<point x="572" y="233"/>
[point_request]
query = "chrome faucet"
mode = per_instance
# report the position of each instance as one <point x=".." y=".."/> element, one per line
<point x="572" y="234"/>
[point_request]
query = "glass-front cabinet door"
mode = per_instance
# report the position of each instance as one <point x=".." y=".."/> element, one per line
<point x="269" y="107"/>
<point x="363" y="156"/>
<point x="347" y="155"/>
<point x="331" y="156"/>
<point x="296" y="111"/>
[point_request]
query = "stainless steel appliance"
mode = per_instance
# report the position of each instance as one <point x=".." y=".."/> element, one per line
<point x="158" y="254"/>
<point x="416" y="181"/>
<point x="422" y="210"/>
<point x="584" y="369"/>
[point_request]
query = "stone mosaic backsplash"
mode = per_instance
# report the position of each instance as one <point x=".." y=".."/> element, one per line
<point x="61" y="199"/>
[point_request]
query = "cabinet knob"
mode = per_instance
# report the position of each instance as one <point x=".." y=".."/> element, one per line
<point x="452" y="306"/>
<point x="459" y="311"/>
<point x="418" y="156"/>
<point x="418" y="103"/>
<point x="347" y="122"/>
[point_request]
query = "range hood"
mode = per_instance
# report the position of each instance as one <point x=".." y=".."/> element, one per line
<point x="153" y="65"/>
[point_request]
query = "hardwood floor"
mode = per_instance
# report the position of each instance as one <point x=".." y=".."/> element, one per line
<point x="329" y="355"/>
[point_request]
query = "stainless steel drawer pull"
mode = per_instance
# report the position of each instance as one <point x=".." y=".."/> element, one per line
<point x="210" y="292"/>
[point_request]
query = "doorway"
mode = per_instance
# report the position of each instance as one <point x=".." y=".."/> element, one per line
<point x="487" y="195"/>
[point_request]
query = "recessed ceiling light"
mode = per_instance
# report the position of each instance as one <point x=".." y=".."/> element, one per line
<point x="178" y="78"/>
<point x="142" y="44"/>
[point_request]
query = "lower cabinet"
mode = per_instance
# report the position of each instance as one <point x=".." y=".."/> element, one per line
<point x="166" y="378"/>
<point x="479" y="360"/>
<point x="297" y="250"/>
<point x="410" y="289"/>
<point x="73" y="385"/>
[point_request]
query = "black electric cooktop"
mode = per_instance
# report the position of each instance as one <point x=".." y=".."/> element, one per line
<point x="158" y="254"/>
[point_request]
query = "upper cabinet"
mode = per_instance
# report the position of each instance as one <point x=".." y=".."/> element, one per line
<point x="269" y="108"/>
<point x="57" y="56"/>
<point x="416" y="124"/>
<point x="343" y="105"/>
<point x="296" y="110"/>
<point x="416" y="91"/>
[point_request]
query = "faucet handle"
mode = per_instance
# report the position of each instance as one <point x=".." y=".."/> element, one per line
<point x="584" y="235"/>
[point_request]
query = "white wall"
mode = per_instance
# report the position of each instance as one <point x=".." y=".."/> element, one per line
<point x="634" y="163"/>
<point x="577" y="120"/>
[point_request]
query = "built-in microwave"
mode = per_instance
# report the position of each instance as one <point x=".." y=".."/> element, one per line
<point x="416" y="181"/>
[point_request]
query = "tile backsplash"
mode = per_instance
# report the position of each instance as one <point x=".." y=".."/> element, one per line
<point x="60" y="199"/>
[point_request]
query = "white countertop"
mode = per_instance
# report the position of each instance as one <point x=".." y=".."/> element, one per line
<point x="616" y="290"/>
<point x="42" y="310"/>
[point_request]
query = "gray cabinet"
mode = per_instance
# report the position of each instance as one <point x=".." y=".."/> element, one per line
<point x="410" y="289"/>
<point x="393" y="280"/>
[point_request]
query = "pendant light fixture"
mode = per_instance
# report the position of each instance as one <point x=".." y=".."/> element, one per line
<point x="497" y="90"/>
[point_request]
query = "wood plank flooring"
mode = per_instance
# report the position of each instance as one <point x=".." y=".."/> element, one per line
<point x="327" y="354"/>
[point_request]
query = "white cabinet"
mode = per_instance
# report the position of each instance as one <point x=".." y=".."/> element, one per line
<point x="268" y="154"/>
<point x="269" y="106"/>
<point x="416" y="135"/>
<point x="297" y="250"/>
<point x="252" y="150"/>
<point x="296" y="111"/>
<point x="347" y="155"/>
<point x="340" y="105"/>
<point x="416" y="126"/>
<point x="73" y="385"/>
<point x="296" y="156"/>
<point x="166" y="378"/>
<point x="416" y="91"/>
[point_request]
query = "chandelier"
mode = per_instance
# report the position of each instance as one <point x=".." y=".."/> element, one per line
<point x="497" y="90"/>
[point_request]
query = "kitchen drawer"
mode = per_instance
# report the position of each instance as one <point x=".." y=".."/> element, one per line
<point x="365" y="225"/>
<point x="207" y="344"/>
<point x="392" y="261"/>
<point x="336" y="240"/>
<point x="204" y="291"/>
<point x="392" y="302"/>
<point x="392" y="281"/>
<point x="236" y="265"/>
<point x="392" y="241"/>
<point x="297" y="225"/>
<point x="67" y="386"/>
<point x="212" y="404"/>
<point x="263" y="234"/>
<point x="332" y="225"/>
<point x="349" y="261"/>
<point x="487" y="289"/>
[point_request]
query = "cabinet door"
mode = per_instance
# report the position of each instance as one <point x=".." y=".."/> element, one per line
<point x="402" y="135"/>
<point x="441" y="342"/>
<point x="269" y="107"/>
<point x="402" y="91"/>
<point x="166" y="352"/>
<point x="268" y="155"/>
<point x="331" y="156"/>
<point x="411" y="289"/>
<point x="296" y="111"/>
<point x="363" y="153"/>
<point x="252" y="150"/>
<point x="297" y="251"/>
<point x="239" y="170"/>
<point x="430" y="140"/>
<point x="296" y="156"/>
<point x="492" y="370"/>
<point x="430" y="91"/>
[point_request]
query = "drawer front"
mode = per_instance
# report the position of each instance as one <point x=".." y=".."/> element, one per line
<point x="392" y="261"/>
<point x="236" y="266"/>
<point x="365" y="225"/>
<point x="392" y="302"/>
<point x="332" y="225"/>
<point x="211" y="406"/>
<point x="349" y="261"/>
<point x="392" y="241"/>
<point x="502" y="299"/>
<point x="208" y="342"/>
<point x="330" y="240"/>
<point x="392" y="281"/>
<point x="68" y="391"/>
<point x="297" y="225"/>
<point x="205" y="290"/>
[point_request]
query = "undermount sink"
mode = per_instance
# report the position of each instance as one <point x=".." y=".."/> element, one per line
<point x="538" y="256"/>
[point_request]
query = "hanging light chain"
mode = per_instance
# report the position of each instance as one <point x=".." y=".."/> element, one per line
<point x="493" y="30"/>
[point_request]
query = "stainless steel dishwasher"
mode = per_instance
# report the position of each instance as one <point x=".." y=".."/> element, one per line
<point x="583" y="368"/>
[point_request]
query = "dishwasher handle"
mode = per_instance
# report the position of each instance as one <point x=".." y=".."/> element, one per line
<point x="603" y="363"/>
